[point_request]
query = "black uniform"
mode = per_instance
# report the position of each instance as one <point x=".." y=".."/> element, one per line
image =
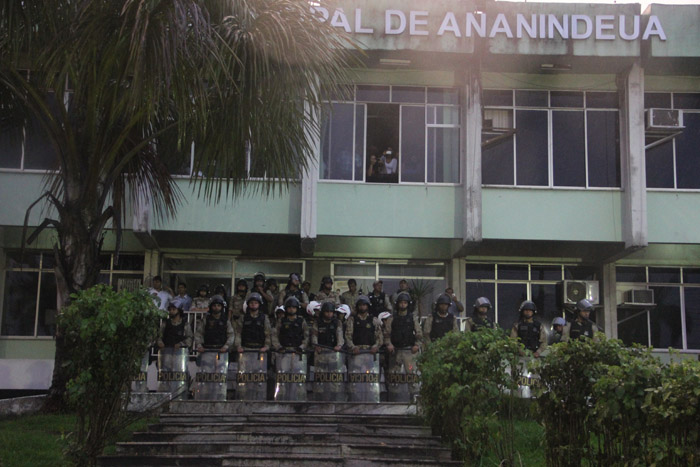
<point x="529" y="334"/>
<point x="363" y="330"/>
<point x="174" y="333"/>
<point x="215" y="331"/>
<point x="291" y="332"/>
<point x="440" y="326"/>
<point x="581" y="330"/>
<point x="253" y="331"/>
<point x="403" y="332"/>
<point x="377" y="303"/>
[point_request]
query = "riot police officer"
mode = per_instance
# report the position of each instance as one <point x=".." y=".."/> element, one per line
<point x="215" y="330"/>
<point x="326" y="292"/>
<point x="350" y="297"/>
<point x="175" y="332"/>
<point x="253" y="330"/>
<point x="291" y="332"/>
<point x="479" y="318"/>
<point x="529" y="331"/>
<point x="558" y="324"/>
<point x="363" y="331"/>
<point x="293" y="290"/>
<point x="581" y="327"/>
<point x="403" y="329"/>
<point x="201" y="301"/>
<point x="440" y="322"/>
<point x="378" y="299"/>
<point x="259" y="287"/>
<point x="237" y="300"/>
<point x="327" y="329"/>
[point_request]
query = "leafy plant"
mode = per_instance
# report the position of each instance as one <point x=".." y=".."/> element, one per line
<point x="106" y="335"/>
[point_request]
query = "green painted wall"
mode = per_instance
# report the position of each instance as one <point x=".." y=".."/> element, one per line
<point x="578" y="82"/>
<point x="673" y="217"/>
<point x="368" y="210"/>
<point x="252" y="211"/>
<point x="680" y="23"/>
<point x="542" y="214"/>
<point x="27" y="348"/>
<point x="17" y="192"/>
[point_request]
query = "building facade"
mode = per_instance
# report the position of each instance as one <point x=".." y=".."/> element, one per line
<point x="540" y="151"/>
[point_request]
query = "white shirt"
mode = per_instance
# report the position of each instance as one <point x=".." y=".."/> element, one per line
<point x="391" y="167"/>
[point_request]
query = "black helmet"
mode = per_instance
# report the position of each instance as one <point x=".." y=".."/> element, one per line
<point x="254" y="296"/>
<point x="362" y="299"/>
<point x="584" y="305"/>
<point x="482" y="301"/>
<point x="328" y="306"/>
<point x="403" y="296"/>
<point x="204" y="287"/>
<point x="242" y="282"/>
<point x="291" y="301"/>
<point x="326" y="280"/>
<point x="443" y="299"/>
<point x="216" y="299"/>
<point x="220" y="290"/>
<point x="528" y="305"/>
<point x="271" y="281"/>
<point x="259" y="276"/>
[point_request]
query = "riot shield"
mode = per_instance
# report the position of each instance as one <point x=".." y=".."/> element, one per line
<point x="291" y="377"/>
<point x="140" y="384"/>
<point x="210" y="382"/>
<point x="402" y="380"/>
<point x="251" y="377"/>
<point x="172" y="372"/>
<point x="363" y="377"/>
<point x="527" y="381"/>
<point x="329" y="376"/>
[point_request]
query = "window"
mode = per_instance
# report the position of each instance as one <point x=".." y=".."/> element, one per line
<point x="418" y="125"/>
<point x="674" y="320"/>
<point x="674" y="164"/>
<point x="29" y="305"/>
<point x="508" y="285"/>
<point x="550" y="138"/>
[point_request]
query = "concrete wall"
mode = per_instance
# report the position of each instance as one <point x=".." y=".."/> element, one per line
<point x="673" y="217"/>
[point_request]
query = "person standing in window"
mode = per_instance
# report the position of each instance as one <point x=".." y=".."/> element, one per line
<point x="391" y="163"/>
<point x="375" y="168"/>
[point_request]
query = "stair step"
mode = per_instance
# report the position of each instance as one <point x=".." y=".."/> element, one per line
<point x="293" y="418"/>
<point x="234" y="407"/>
<point x="292" y="427"/>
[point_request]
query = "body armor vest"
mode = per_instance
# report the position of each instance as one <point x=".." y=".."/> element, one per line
<point x="253" y="331"/>
<point x="215" y="331"/>
<point x="298" y="293"/>
<point x="579" y="330"/>
<point x="480" y="324"/>
<point x="292" y="331"/>
<point x="441" y="325"/>
<point x="327" y="332"/>
<point x="376" y="303"/>
<point x="403" y="333"/>
<point x="529" y="334"/>
<point x="363" y="330"/>
<point x="173" y="333"/>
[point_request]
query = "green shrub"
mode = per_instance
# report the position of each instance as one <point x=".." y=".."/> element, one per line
<point x="467" y="391"/>
<point x="107" y="334"/>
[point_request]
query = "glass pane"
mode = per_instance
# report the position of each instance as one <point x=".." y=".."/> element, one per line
<point x="531" y="148"/>
<point x="39" y="152"/>
<point x="47" y="305"/>
<point x="382" y="134"/>
<point x="428" y="288"/>
<point x="444" y="115"/>
<point x="602" y="100"/>
<point x="630" y="274"/>
<point x="497" y="98"/>
<point x="197" y="264"/>
<point x="443" y="96"/>
<point x="19" y="304"/>
<point x="480" y="271"/>
<point x="129" y="263"/>
<point x="443" y="155"/>
<point x="408" y="94"/>
<point x="566" y="99"/>
<point x="250" y="268"/>
<point x="497" y="161"/>
<point x="510" y="296"/>
<point x="545" y="297"/>
<point x="665" y="319"/>
<point x="545" y="273"/>
<point x="688" y="152"/>
<point x="11" y="144"/>
<point x="337" y="163"/>
<point x="512" y="272"/>
<point x="659" y="166"/>
<point x="476" y="290"/>
<point x="632" y="326"/>
<point x="686" y="101"/>
<point x="603" y="149"/>
<point x="359" y="141"/>
<point x="665" y="275"/>
<point x="355" y="270"/>
<point x="659" y="100"/>
<point x="15" y="259"/>
<point x="373" y="93"/>
<point x="569" y="150"/>
<point x="692" y="317"/>
<point x="412" y="157"/>
<point x="691" y="276"/>
<point x="531" y="98"/>
<point x="410" y="270"/>
<point x="193" y="282"/>
<point x="580" y="273"/>
<point x="134" y="281"/>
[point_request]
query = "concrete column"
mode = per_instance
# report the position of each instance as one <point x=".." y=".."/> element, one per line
<point x="309" y="186"/>
<point x="471" y="169"/>
<point x="609" y="298"/>
<point x="632" y="157"/>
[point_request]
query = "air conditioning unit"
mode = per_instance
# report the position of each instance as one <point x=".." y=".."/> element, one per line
<point x="639" y="297"/>
<point x="664" y="119"/>
<point x="570" y="292"/>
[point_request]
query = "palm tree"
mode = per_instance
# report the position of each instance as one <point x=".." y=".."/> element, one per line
<point x="119" y="87"/>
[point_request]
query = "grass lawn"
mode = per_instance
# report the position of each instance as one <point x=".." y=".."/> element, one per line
<point x="35" y="440"/>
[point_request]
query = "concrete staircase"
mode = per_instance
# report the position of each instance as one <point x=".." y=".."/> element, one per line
<point x="284" y="434"/>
